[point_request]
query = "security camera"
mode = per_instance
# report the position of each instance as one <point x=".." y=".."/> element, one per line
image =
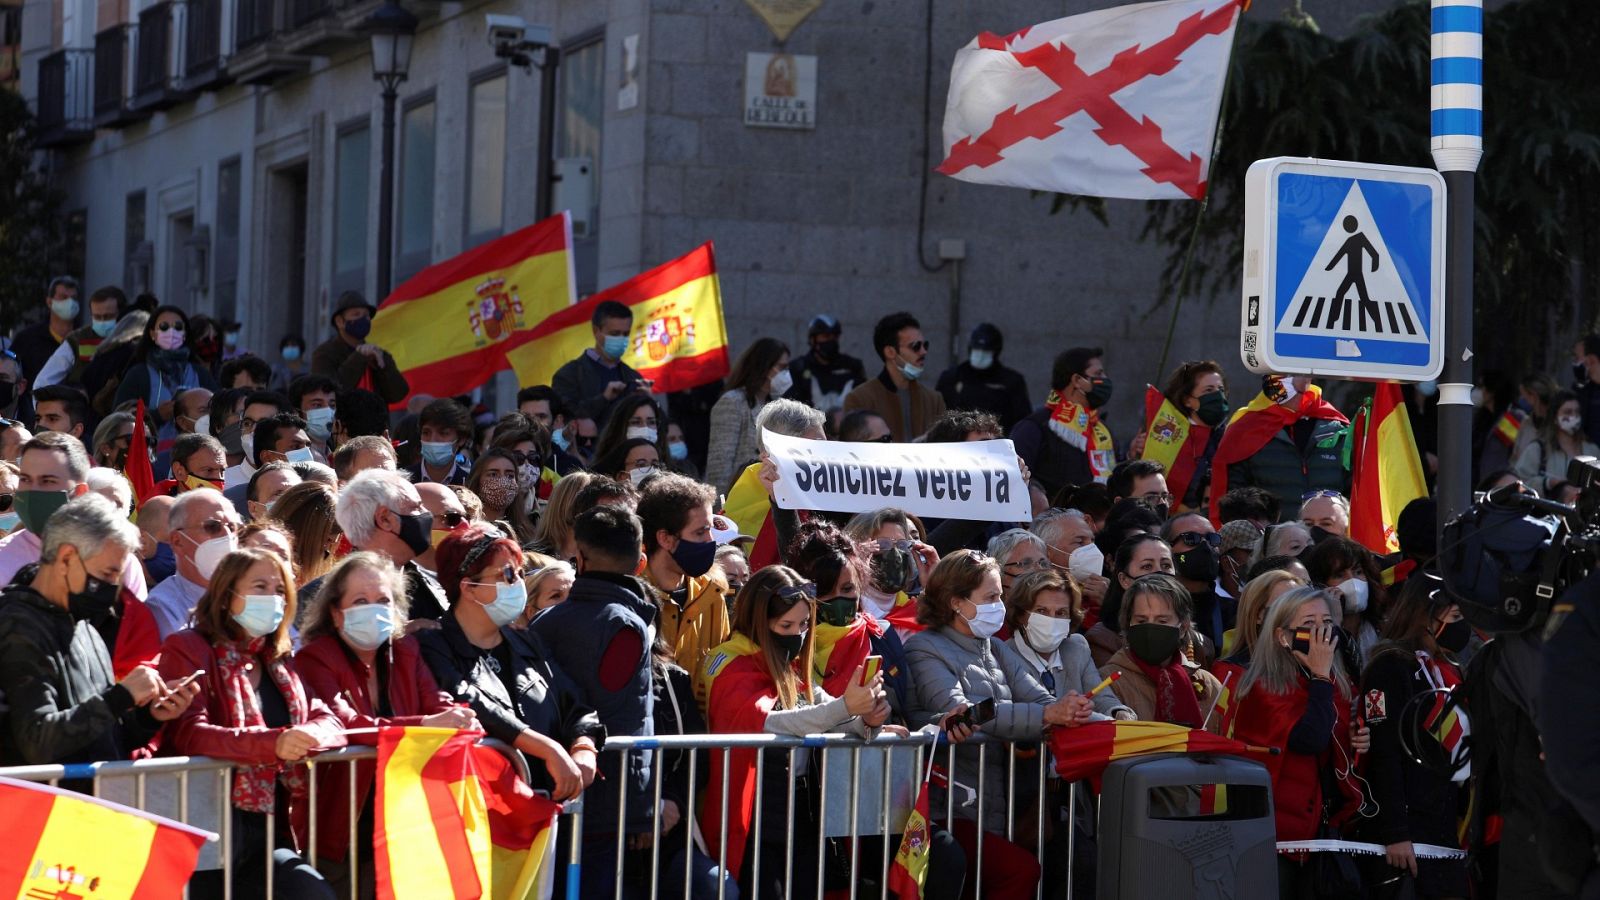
<point x="515" y="40"/>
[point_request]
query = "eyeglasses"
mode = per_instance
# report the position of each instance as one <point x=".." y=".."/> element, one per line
<point x="796" y="591"/>
<point x="215" y="527"/>
<point x="170" y="326"/>
<point x="1312" y="495"/>
<point x="1156" y="498"/>
<point x="918" y="346"/>
<point x="1196" y="538"/>
<point x="885" y="545"/>
<point x="451" y="518"/>
<point x="531" y="458"/>
<point x="1025" y="566"/>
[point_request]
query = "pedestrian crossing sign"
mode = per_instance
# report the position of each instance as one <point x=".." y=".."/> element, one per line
<point x="1343" y="270"/>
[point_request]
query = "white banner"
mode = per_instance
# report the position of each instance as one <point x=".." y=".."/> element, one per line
<point x="977" y="480"/>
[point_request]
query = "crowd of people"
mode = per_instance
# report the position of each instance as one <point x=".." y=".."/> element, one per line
<point x="310" y="566"/>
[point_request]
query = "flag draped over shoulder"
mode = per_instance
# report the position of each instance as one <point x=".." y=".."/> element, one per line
<point x="1085" y="751"/>
<point x="1172" y="440"/>
<point x="679" y="340"/>
<point x="63" y="844"/>
<point x="1250" y="429"/>
<point x="452" y="820"/>
<point x="1119" y="102"/>
<point x="748" y="503"/>
<point x="739" y="693"/>
<point x="1386" y="470"/>
<point x="838" y="649"/>
<point x="449" y="326"/>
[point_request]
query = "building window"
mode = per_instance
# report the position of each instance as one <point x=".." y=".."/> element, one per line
<point x="226" y="253"/>
<point x="351" y="179"/>
<point x="138" y="255"/>
<point x="579" y="123"/>
<point x="416" y="190"/>
<point x="75" y="244"/>
<point x="486" y="154"/>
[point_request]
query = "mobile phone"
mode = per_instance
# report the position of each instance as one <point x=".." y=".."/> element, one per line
<point x="1302" y="640"/>
<point x="981" y="712"/>
<point x="870" y="669"/>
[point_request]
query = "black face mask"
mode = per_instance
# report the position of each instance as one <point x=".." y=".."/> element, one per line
<point x="1199" y="564"/>
<point x="891" y="570"/>
<point x="417" y="531"/>
<point x="95" y="600"/>
<point x="826" y="350"/>
<point x="790" y="645"/>
<point x="1153" y="642"/>
<point x="838" y="611"/>
<point x="1454" y="636"/>
<point x="8" y="392"/>
<point x="1214" y="408"/>
<point x="1099" y="392"/>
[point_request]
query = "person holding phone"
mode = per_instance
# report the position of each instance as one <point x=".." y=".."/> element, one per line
<point x="760" y="681"/>
<point x="958" y="663"/>
<point x="1296" y="699"/>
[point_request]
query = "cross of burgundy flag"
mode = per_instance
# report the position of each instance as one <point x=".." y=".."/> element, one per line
<point x="1120" y="102"/>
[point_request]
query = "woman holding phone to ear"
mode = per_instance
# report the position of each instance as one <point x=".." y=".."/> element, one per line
<point x="1296" y="699"/>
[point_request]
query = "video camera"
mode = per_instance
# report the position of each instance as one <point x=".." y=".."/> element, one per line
<point x="1507" y="557"/>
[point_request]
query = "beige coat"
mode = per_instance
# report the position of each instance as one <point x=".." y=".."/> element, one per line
<point x="1138" y="691"/>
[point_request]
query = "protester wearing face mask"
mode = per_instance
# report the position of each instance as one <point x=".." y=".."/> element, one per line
<point x="591" y="384"/>
<point x="825" y="373"/>
<point x="633" y="417"/>
<point x="1423" y="637"/>
<point x="957" y="661"/>
<point x="1351" y="572"/>
<point x="292" y="363"/>
<point x="1238" y="644"/>
<point x="1044" y="613"/>
<point x="445" y="427"/>
<point x="1198" y="391"/>
<point x="315" y="398"/>
<point x="677" y="458"/>
<point x="632" y="462"/>
<point x="507" y="676"/>
<point x="203" y="527"/>
<point x="1325" y="513"/>
<point x="1063" y="441"/>
<point x="1287" y="440"/>
<point x="164" y="365"/>
<point x="761" y="373"/>
<point x="761" y="680"/>
<point x="1142" y="553"/>
<point x="909" y="408"/>
<point x="70" y="360"/>
<point x="1196" y="563"/>
<point x="1240" y="541"/>
<point x="66" y="703"/>
<point x="494" y="480"/>
<point x="34" y="344"/>
<point x="349" y="358"/>
<point x="1544" y="460"/>
<point x="356" y="658"/>
<point x="897" y="567"/>
<point x="381" y="511"/>
<point x="1156" y="676"/>
<point x="982" y="382"/>
<point x="676" y="516"/>
<point x="252" y="710"/>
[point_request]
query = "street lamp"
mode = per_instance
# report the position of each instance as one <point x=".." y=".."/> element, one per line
<point x="391" y="29"/>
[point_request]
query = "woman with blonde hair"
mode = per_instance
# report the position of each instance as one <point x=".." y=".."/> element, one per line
<point x="553" y="535"/>
<point x="306" y="510"/>
<point x="1259" y="592"/>
<point x="548" y="580"/>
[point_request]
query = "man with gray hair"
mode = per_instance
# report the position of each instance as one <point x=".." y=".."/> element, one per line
<point x="1067" y="537"/>
<point x="51" y="656"/>
<point x="203" y="527"/>
<point x="110" y="484"/>
<point x="380" y="510"/>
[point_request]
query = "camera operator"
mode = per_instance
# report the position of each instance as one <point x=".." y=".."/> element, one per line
<point x="1572" y="738"/>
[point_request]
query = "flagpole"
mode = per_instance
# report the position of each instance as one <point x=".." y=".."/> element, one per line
<point x="1457" y="148"/>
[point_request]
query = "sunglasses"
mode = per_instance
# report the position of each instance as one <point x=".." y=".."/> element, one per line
<point x="452" y="518"/>
<point x="1196" y="538"/>
<point x="170" y="326"/>
<point x="531" y="458"/>
<point x="6" y="500"/>
<point x="1312" y="495"/>
<point x="918" y="346"/>
<point x="216" y="527"/>
<point x="796" y="591"/>
<point x="885" y="545"/>
<point x="508" y="575"/>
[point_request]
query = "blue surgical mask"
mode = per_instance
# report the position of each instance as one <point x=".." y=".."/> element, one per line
<point x="66" y="309"/>
<point x="319" y="423"/>
<point x="981" y="359"/>
<point x="261" y="616"/>
<point x="103" y="329"/>
<point x="438" y="453"/>
<point x="9" y="521"/>
<point x="301" y="454"/>
<point x="559" y="438"/>
<point x="616" y="345"/>
<point x="368" y="627"/>
<point x="912" y="373"/>
<point x="509" y="602"/>
<point x="678" y="450"/>
<point x="291" y="353"/>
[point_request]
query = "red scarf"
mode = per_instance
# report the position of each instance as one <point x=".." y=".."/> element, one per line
<point x="1176" y="703"/>
<point x="253" y="786"/>
<point x="1080" y="427"/>
<point x="1253" y="426"/>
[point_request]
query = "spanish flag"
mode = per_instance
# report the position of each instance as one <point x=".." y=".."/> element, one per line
<point x="678" y="340"/>
<point x="909" y="873"/>
<point x="1386" y="471"/>
<point x="1509" y="426"/>
<point x="1085" y="751"/>
<point x="1172" y="440"/>
<point x="738" y="694"/>
<point x="839" y="649"/>
<point x="1250" y="429"/>
<point x="453" y="820"/>
<point x="137" y="469"/>
<point x="748" y="503"/>
<point x="62" y="844"/>
<point x="450" y="325"/>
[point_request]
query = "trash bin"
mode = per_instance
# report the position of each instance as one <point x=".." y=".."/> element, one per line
<point x="1174" y="827"/>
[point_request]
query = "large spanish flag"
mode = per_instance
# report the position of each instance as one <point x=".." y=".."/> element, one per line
<point x="450" y="325"/>
<point x="62" y="844"/>
<point x="1386" y="471"/>
<point x="452" y="820"/>
<point x="1085" y="751"/>
<point x="1172" y="440"/>
<point x="678" y="340"/>
<point x="1254" y="425"/>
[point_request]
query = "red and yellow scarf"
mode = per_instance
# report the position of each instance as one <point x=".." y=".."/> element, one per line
<point x="1081" y="427"/>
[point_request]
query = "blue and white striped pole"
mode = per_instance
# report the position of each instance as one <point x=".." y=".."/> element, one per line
<point x="1457" y="146"/>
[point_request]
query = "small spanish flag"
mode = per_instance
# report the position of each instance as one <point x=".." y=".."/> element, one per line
<point x="1172" y="440"/>
<point x="1509" y="426"/>
<point x="909" y="873"/>
<point x="62" y="844"/>
<point x="1386" y="470"/>
<point x="679" y="340"/>
<point x="453" y="820"/>
<point x="1085" y="751"/>
<point x="137" y="469"/>
<point x="449" y="326"/>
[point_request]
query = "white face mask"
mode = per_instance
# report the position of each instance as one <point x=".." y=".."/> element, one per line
<point x="781" y="383"/>
<point x="247" y="442"/>
<point x="637" y="476"/>
<point x="208" y="554"/>
<point x="1045" y="633"/>
<point x="981" y="359"/>
<point x="1570" y="424"/>
<point x="648" y="432"/>
<point x="1086" y="561"/>
<point x="988" y="620"/>
<point x="1355" y="595"/>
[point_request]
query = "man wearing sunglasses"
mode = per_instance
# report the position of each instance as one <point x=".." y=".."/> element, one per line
<point x="448" y="513"/>
<point x="908" y="407"/>
<point x="1197" y="563"/>
<point x="203" y="528"/>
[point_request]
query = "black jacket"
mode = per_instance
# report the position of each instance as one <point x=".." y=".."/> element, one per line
<point x="998" y="389"/>
<point x="1054" y="463"/>
<point x="545" y="702"/>
<point x="55" y="674"/>
<point x="824" y="384"/>
<point x="427" y="598"/>
<point x="1415" y="803"/>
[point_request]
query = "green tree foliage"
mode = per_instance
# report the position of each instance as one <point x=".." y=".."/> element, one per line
<point x="1364" y="97"/>
<point x="30" y="223"/>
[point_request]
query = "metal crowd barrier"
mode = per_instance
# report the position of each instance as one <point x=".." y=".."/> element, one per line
<point x="168" y="786"/>
<point x="868" y="789"/>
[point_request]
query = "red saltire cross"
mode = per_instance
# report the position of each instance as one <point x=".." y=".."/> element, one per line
<point x="1081" y="91"/>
